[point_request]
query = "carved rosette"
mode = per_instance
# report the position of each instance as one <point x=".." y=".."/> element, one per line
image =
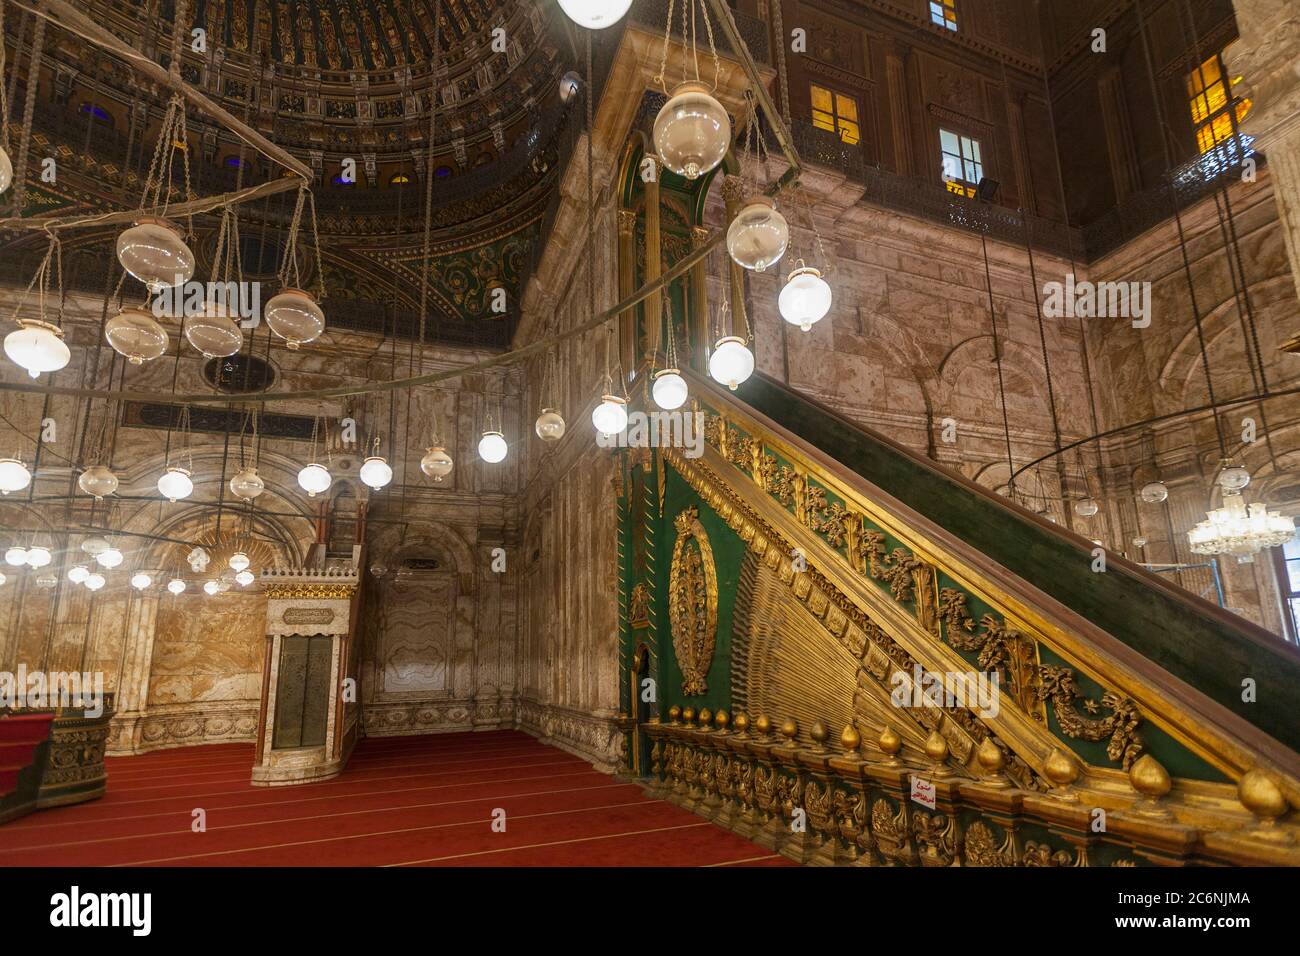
<point x="693" y="602"/>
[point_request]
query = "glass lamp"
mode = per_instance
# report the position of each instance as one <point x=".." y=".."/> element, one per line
<point x="610" y="416"/>
<point x="14" y="475"/>
<point x="97" y="481"/>
<point x="137" y="335"/>
<point x="175" y="484"/>
<point x="757" y="237"/>
<point x="38" y="557"/>
<point x="550" y="425"/>
<point x="731" y="362"/>
<point x="94" y="581"/>
<point x="1154" y="492"/>
<point x="141" y="580"/>
<point x="375" y="472"/>
<point x="806" y="298"/>
<point x="37" y="347"/>
<point x="176" y="586"/>
<point x="213" y="332"/>
<point x="314" y="479"/>
<point x="492" y="447"/>
<point x="436" y="463"/>
<point x="692" y="131"/>
<point x="669" y="390"/>
<point x="294" y="316"/>
<point x="153" y="251"/>
<point x="247" y="484"/>
<point x="16" y="556"/>
<point x="595" y="14"/>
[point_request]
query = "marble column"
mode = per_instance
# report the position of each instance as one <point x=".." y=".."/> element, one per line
<point x="132" y="692"/>
<point x="1266" y="55"/>
<point x="653" y="308"/>
<point x="896" y="85"/>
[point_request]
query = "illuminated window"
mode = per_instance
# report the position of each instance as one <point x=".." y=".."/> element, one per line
<point x="944" y="13"/>
<point x="836" y="113"/>
<point x="1217" y="111"/>
<point x="1286" y="563"/>
<point x="963" y="166"/>
<point x="399" y="179"/>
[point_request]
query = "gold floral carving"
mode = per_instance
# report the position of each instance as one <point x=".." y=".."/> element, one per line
<point x="638" y="613"/>
<point x="1056" y="683"/>
<point x="1001" y="648"/>
<point x="309" y="591"/>
<point x="693" y="602"/>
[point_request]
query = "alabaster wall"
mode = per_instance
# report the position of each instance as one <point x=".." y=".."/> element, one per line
<point x="1158" y="371"/>
<point x="188" y="670"/>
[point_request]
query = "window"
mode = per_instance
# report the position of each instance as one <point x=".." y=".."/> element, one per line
<point x="963" y="167"/>
<point x="836" y="113"/>
<point x="1286" y="561"/>
<point x="399" y="179"/>
<point x="943" y="13"/>
<point x="1217" y="112"/>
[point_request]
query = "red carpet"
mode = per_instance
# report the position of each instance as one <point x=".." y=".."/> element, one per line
<point x="403" y="801"/>
<point x="20" y="735"/>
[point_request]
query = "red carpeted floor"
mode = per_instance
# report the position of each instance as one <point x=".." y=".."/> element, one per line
<point x="402" y="801"/>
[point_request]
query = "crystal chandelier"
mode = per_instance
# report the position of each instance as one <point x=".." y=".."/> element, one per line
<point x="1240" y="530"/>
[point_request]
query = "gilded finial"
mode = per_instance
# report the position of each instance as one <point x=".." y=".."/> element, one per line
<point x="890" y="744"/>
<point x="688" y="715"/>
<point x="720" y="720"/>
<point x="936" y="748"/>
<point x="993" y="760"/>
<point x="1151" y="780"/>
<point x="850" y="739"/>
<point x="674" y="714"/>
<point x="789" y="730"/>
<point x="1260" y="794"/>
<point x="741" y="723"/>
<point x="763" y="725"/>
<point x="819" y="733"/>
<point x="706" y="718"/>
<point x="1062" y="771"/>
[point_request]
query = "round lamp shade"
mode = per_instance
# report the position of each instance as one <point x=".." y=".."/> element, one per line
<point x="239" y="561"/>
<point x="610" y="416"/>
<point x="806" y="298"/>
<point x="16" y="557"/>
<point x="153" y="251"/>
<point x="3" y="579"/>
<point x="245" y="578"/>
<point x="92" y="546"/>
<point x="1234" y="478"/>
<point x="295" y="317"/>
<point x="314" y="479"/>
<point x="1154" y="492"/>
<point x="213" y="332"/>
<point x="375" y="472"/>
<point x="175" y="484"/>
<point x="94" y="581"/>
<point x="14" y="475"/>
<point x="140" y="580"/>
<point x="176" y="586"/>
<point x="78" y="573"/>
<point x="211" y="587"/>
<point x="595" y="14"/>
<point x="247" y="484"/>
<point x="98" y="481"/>
<point x="757" y="237"/>
<point x="692" y="131"/>
<point x="731" y="362"/>
<point x="436" y="463"/>
<point x="1086" y="507"/>
<point x="6" y="170"/>
<point x="136" y="335"/>
<point x="669" y="389"/>
<point x="38" y="557"/>
<point x="37" y="347"/>
<point x="492" y="447"/>
<point x="549" y="425"/>
<point x="109" y="558"/>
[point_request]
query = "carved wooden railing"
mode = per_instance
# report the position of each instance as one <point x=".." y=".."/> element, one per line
<point x="1088" y="728"/>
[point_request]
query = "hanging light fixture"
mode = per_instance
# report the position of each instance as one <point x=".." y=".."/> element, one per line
<point x="7" y="168"/>
<point x="1240" y="530"/>
<point x="38" y="557"/>
<point x="78" y="573"/>
<point x="154" y="252"/>
<point x="314" y="479"/>
<point x="14" y="475"/>
<point x="136" y="335"/>
<point x="1086" y="507"/>
<point x="669" y="389"/>
<point x="758" y="236"/>
<point x="141" y="580"/>
<point x="692" y="132"/>
<point x="3" y="579"/>
<point x="806" y="297"/>
<point x="109" y="558"/>
<point x="94" y="581"/>
<point x="239" y="561"/>
<point x="549" y="425"/>
<point x="93" y="545"/>
<point x="1154" y="492"/>
<point x="492" y="447"/>
<point x="610" y="416"/>
<point x="175" y="483"/>
<point x="436" y="463"/>
<point x="37" y="346"/>
<point x="176" y="586"/>
<point x="213" y="332"/>
<point x="97" y="481"/>
<point x="16" y="556"/>
<point x="595" y="14"/>
<point x="245" y="578"/>
<point x="294" y="316"/>
<point x="1233" y="478"/>
<point x="211" y="587"/>
<point x="247" y="484"/>
<point x="731" y="361"/>
<point x="375" y="471"/>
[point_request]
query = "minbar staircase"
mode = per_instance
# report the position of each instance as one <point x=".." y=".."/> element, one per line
<point x="1121" y="695"/>
<point x="23" y="739"/>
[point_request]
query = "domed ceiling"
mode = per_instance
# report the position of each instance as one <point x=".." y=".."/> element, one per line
<point x="332" y="81"/>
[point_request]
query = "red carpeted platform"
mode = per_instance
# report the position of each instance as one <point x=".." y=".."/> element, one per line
<point x="403" y="801"/>
<point x="20" y="735"/>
